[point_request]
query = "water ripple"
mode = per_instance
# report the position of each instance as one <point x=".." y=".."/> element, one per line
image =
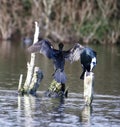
<point x="47" y="112"/>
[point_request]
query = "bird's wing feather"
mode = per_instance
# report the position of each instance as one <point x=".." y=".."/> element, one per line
<point x="73" y="54"/>
<point x="90" y="52"/>
<point x="44" y="47"/>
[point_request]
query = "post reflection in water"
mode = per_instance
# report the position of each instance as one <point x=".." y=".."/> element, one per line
<point x="29" y="105"/>
<point x="29" y="110"/>
<point x="85" y="116"/>
<point x="26" y="108"/>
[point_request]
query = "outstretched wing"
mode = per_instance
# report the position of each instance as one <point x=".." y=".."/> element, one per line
<point x="74" y="53"/>
<point x="44" y="47"/>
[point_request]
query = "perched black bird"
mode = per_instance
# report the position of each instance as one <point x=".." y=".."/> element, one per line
<point x="86" y="55"/>
<point x="58" y="56"/>
<point x="88" y="60"/>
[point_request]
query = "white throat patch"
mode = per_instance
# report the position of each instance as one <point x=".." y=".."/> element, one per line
<point x="93" y="63"/>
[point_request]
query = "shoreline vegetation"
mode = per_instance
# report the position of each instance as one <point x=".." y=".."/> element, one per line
<point x="89" y="22"/>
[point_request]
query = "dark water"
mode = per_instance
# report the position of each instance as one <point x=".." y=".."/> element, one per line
<point x="69" y="112"/>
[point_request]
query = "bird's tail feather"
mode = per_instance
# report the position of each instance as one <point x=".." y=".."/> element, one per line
<point x="60" y="76"/>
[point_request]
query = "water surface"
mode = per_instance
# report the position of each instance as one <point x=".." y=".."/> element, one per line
<point x="48" y="112"/>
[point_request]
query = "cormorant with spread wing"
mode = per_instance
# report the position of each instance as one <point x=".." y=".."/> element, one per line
<point x="86" y="55"/>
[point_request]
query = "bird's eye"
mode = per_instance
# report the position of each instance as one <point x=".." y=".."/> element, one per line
<point x="94" y="63"/>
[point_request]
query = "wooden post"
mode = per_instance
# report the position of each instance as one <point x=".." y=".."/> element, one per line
<point x="37" y="77"/>
<point x="20" y="83"/>
<point x="30" y="65"/>
<point x="34" y="74"/>
<point x="88" y="87"/>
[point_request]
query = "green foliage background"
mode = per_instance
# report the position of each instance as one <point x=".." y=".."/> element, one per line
<point x="90" y="21"/>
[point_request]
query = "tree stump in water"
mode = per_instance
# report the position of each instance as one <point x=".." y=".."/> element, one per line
<point x="88" y="87"/>
<point x="37" y="77"/>
<point x="34" y="85"/>
<point x="34" y="74"/>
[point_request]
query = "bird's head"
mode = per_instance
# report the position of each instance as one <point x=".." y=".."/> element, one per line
<point x="60" y="45"/>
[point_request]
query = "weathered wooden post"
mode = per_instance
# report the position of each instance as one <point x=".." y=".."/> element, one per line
<point x="34" y="74"/>
<point x="88" y="87"/>
<point x="20" y="83"/>
<point x="37" y="77"/>
<point x="31" y="65"/>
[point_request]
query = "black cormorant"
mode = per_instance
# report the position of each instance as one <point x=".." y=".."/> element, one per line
<point x="86" y="55"/>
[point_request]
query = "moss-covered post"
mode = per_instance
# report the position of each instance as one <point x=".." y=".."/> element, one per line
<point x="56" y="90"/>
<point x="88" y="87"/>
